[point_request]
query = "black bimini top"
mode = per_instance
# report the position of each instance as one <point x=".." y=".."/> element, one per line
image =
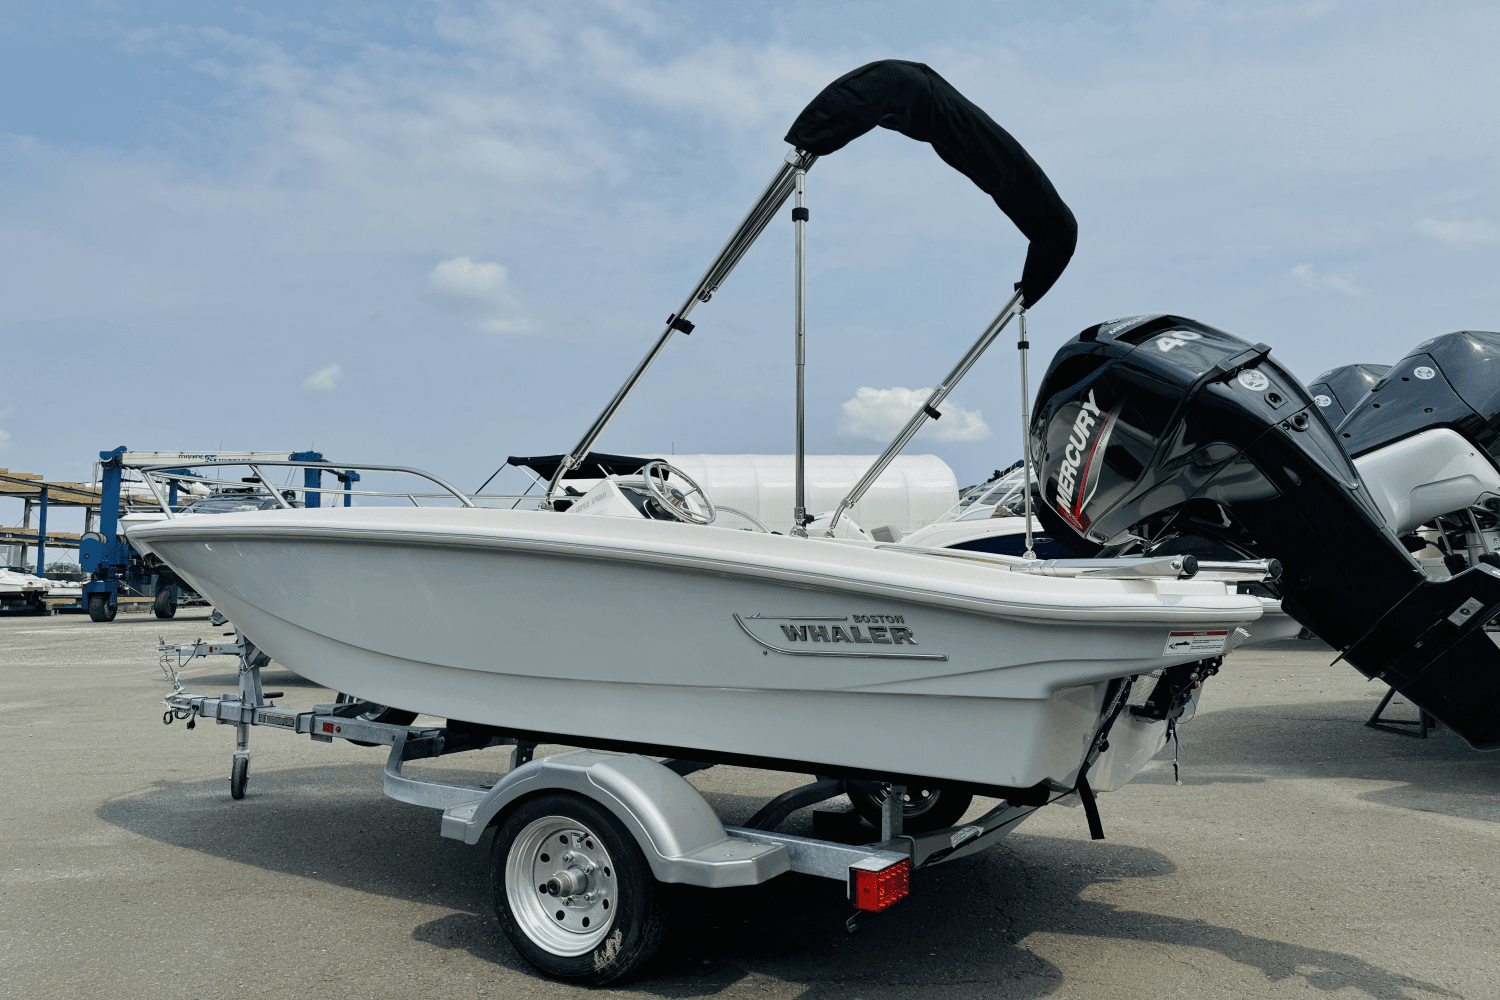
<point x="596" y="465"/>
<point x="912" y="99"/>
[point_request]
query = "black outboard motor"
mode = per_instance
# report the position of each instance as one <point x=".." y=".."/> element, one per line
<point x="1448" y="381"/>
<point x="1336" y="392"/>
<point x="1153" y="429"/>
<point x="1426" y="444"/>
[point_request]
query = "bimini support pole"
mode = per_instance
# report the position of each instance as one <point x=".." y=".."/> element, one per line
<point x="750" y="227"/>
<point x="1024" y="345"/>
<point x="799" y="222"/>
<point x="929" y="409"/>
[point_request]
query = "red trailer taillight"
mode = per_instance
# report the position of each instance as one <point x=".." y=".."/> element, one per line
<point x="876" y="890"/>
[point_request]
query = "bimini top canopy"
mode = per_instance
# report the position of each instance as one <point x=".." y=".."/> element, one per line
<point x="912" y="99"/>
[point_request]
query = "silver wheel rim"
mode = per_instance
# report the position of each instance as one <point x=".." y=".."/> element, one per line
<point x="565" y="925"/>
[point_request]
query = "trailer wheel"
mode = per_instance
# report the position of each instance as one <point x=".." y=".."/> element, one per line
<point x="239" y="777"/>
<point x="925" y="809"/>
<point x="573" y="891"/>
<point x="100" y="610"/>
<point x="165" y="603"/>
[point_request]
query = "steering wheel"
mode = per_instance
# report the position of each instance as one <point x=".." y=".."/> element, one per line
<point x="673" y="501"/>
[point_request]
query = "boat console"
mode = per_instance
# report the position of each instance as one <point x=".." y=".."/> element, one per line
<point x="649" y="494"/>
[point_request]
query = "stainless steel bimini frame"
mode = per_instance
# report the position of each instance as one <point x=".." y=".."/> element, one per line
<point x="787" y="177"/>
<point x="791" y="177"/>
<point x="929" y="410"/>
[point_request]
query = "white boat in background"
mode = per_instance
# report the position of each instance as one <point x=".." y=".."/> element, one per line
<point x="20" y="590"/>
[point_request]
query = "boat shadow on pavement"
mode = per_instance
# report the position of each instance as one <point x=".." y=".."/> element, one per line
<point x="962" y="932"/>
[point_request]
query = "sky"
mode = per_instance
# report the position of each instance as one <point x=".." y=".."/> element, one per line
<point x="438" y="234"/>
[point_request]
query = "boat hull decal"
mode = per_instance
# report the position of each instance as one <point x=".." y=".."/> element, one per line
<point x="872" y="654"/>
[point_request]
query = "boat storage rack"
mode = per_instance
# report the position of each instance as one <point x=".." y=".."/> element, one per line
<point x="678" y="832"/>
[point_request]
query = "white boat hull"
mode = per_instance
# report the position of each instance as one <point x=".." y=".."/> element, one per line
<point x="674" y="636"/>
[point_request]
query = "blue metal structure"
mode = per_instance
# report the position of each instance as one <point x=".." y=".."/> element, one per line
<point x="311" y="478"/>
<point x="348" y="477"/>
<point x="41" y="538"/>
<point x="102" y="555"/>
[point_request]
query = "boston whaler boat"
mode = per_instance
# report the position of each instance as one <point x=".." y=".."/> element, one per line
<point x="907" y="676"/>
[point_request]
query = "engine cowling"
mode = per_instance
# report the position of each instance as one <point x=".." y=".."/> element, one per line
<point x="1155" y="434"/>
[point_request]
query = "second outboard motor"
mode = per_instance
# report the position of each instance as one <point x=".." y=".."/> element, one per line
<point x="1426" y="437"/>
<point x="1153" y="430"/>
<point x="1336" y="392"/>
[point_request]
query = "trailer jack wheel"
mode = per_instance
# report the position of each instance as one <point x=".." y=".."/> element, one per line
<point x="239" y="777"/>
<point x="573" y="891"/>
<point x="100" y="610"/>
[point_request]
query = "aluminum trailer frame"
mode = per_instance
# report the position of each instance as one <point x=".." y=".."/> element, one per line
<point x="680" y="836"/>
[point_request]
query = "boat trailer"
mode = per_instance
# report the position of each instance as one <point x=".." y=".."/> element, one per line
<point x="669" y="822"/>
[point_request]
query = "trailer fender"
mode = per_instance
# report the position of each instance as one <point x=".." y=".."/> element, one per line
<point x="677" y="830"/>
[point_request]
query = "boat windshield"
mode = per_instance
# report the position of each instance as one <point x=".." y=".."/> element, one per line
<point x="981" y="501"/>
<point x="231" y="503"/>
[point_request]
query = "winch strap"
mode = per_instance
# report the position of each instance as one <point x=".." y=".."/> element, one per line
<point x="1090" y="808"/>
<point x="1100" y="744"/>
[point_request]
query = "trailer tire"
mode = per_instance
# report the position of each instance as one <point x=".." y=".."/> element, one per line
<point x="239" y="777"/>
<point x="613" y="929"/>
<point x="925" y="809"/>
<point x="100" y="610"/>
<point x="165" y="603"/>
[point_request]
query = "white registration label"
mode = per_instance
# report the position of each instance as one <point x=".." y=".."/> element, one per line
<point x="1209" y="643"/>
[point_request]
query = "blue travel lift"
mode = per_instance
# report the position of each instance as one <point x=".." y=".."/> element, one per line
<point x="110" y="563"/>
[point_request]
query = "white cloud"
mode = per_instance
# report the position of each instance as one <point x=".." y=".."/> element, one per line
<point x="880" y="413"/>
<point x="1459" y="230"/>
<point x="4" y="439"/>
<point x="1306" y="274"/>
<point x="480" y="289"/>
<point x="465" y="278"/>
<point x="325" y="378"/>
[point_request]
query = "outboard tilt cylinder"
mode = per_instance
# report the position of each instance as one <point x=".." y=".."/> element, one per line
<point x="1155" y="434"/>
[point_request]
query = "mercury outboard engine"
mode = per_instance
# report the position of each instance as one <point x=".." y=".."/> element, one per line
<point x="1157" y="431"/>
<point x="1336" y="392"/>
